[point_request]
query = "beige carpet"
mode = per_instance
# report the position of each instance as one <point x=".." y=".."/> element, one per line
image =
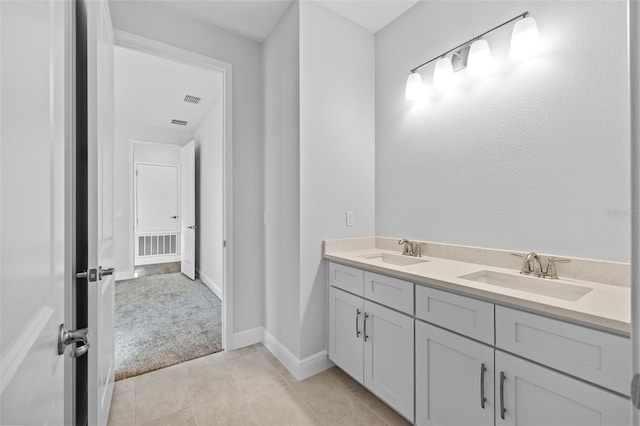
<point x="163" y="320"/>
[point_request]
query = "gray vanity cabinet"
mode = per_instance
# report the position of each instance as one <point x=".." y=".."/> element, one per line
<point x="454" y="379"/>
<point x="372" y="343"/>
<point x="530" y="394"/>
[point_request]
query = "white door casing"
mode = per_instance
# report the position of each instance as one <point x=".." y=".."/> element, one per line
<point x="100" y="208"/>
<point x="157" y="198"/>
<point x="36" y="104"/>
<point x="188" y="209"/>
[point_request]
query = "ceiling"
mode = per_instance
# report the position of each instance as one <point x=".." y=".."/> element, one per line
<point x="256" y="18"/>
<point x="150" y="90"/>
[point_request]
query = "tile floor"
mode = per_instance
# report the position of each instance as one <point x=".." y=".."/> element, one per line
<point x="156" y="269"/>
<point x="244" y="387"/>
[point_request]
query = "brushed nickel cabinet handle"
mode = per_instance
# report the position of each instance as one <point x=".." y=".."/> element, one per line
<point x="502" y="409"/>
<point x="357" y="315"/>
<point x="483" y="369"/>
<point x="366" y="315"/>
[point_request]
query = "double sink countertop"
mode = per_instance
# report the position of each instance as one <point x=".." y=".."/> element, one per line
<point x="591" y="292"/>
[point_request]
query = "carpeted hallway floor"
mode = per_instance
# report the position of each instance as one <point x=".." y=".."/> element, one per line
<point x="163" y="320"/>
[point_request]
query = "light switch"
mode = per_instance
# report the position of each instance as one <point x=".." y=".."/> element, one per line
<point x="117" y="214"/>
<point x="349" y="218"/>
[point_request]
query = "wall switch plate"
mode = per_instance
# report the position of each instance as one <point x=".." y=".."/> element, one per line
<point x="117" y="214"/>
<point x="349" y="218"/>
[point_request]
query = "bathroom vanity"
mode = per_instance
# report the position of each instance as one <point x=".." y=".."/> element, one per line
<point x="452" y="342"/>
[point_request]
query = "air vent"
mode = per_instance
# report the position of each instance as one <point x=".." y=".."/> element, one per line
<point x="192" y="99"/>
<point x="179" y="122"/>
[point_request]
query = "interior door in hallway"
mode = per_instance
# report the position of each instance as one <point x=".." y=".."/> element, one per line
<point x="35" y="83"/>
<point x="188" y="208"/>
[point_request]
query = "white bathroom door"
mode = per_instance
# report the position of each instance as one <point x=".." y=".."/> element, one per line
<point x="101" y="253"/>
<point x="188" y="209"/>
<point x="34" y="131"/>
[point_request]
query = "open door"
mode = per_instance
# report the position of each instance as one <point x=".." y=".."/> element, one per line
<point x="35" y="135"/>
<point x="99" y="208"/>
<point x="188" y="209"/>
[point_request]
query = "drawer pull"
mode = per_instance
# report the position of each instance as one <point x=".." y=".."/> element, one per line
<point x="483" y="369"/>
<point x="366" y="315"/>
<point x="502" y="409"/>
<point x="357" y="315"/>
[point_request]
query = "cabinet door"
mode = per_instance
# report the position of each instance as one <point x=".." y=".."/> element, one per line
<point x="388" y="357"/>
<point x="535" y="395"/>
<point x="346" y="315"/>
<point x="454" y="379"/>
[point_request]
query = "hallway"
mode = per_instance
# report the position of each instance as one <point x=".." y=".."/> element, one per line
<point x="245" y="387"/>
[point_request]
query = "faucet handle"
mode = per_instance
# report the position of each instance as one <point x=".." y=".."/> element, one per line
<point x="551" y="266"/>
<point x="558" y="260"/>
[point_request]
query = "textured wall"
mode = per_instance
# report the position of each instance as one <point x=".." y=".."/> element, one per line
<point x="534" y="157"/>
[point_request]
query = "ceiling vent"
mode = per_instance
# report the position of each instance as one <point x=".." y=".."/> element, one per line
<point x="179" y="122"/>
<point x="192" y="99"/>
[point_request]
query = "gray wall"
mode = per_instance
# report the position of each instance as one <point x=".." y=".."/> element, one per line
<point x="534" y="157"/>
<point x="147" y="20"/>
<point x="319" y="162"/>
<point x="282" y="180"/>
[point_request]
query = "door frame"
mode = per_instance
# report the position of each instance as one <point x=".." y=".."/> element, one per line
<point x="166" y="51"/>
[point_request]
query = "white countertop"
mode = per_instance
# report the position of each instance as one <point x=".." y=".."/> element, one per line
<point x="606" y="306"/>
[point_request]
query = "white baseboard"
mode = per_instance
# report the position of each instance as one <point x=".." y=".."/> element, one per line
<point x="245" y="338"/>
<point x="154" y="260"/>
<point x="124" y="275"/>
<point x="301" y="369"/>
<point x="215" y="288"/>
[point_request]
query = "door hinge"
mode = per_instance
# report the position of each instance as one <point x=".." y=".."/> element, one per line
<point x="224" y="243"/>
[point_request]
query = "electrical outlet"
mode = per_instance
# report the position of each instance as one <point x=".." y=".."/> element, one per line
<point x="349" y="218"/>
<point x="218" y="265"/>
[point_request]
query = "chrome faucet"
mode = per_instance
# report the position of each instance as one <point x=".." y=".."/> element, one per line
<point x="531" y="265"/>
<point x="411" y="248"/>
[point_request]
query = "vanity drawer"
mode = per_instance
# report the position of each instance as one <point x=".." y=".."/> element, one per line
<point x="592" y="355"/>
<point x="470" y="317"/>
<point x="391" y="292"/>
<point x="347" y="278"/>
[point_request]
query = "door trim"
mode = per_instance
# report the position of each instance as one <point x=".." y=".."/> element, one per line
<point x="163" y="50"/>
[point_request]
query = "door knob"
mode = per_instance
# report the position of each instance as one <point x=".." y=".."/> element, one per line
<point x="68" y="337"/>
<point x="104" y="272"/>
<point x="192" y="227"/>
<point x="173" y="217"/>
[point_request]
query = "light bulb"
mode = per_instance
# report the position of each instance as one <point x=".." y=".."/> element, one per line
<point x="443" y="76"/>
<point x="480" y="61"/>
<point x="525" y="39"/>
<point x="414" y="90"/>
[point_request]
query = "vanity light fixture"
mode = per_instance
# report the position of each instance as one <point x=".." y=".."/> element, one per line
<point x="475" y="55"/>
<point x="414" y="90"/>
<point x="443" y="75"/>
<point x="480" y="61"/>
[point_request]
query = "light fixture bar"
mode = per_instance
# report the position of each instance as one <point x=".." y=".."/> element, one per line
<point x="521" y="16"/>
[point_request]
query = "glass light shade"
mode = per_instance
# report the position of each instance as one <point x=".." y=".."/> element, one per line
<point x="525" y="39"/>
<point x="443" y="76"/>
<point x="414" y="90"/>
<point x="480" y="61"/>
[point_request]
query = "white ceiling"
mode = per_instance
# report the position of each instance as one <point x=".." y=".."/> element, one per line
<point x="150" y="90"/>
<point x="374" y="15"/>
<point x="256" y="18"/>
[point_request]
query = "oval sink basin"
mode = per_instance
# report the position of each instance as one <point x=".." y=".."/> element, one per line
<point x="394" y="259"/>
<point x="544" y="287"/>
